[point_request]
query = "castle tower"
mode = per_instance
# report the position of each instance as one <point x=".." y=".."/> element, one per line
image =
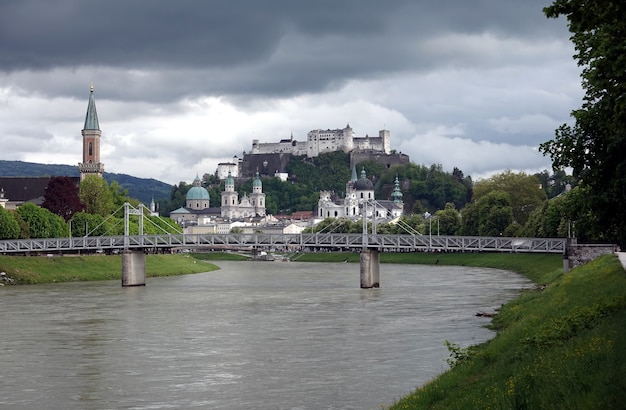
<point x="230" y="198"/>
<point x="257" y="198"/>
<point x="91" y="164"/>
<point x="385" y="135"/>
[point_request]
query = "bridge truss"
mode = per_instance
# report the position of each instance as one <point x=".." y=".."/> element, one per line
<point x="335" y="241"/>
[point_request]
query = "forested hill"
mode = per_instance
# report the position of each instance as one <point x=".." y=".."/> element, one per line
<point x="142" y="189"/>
<point x="424" y="188"/>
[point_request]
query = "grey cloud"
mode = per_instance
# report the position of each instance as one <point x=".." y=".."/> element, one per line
<point x="277" y="47"/>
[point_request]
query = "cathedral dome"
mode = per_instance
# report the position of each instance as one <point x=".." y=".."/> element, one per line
<point x="363" y="184"/>
<point x="197" y="192"/>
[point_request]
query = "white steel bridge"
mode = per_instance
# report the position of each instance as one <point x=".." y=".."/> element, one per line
<point x="336" y="241"/>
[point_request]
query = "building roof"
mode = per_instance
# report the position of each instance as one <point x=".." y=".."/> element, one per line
<point x="363" y="184"/>
<point x="91" y="119"/>
<point x="197" y="192"/>
<point x="180" y="210"/>
<point x="26" y="189"/>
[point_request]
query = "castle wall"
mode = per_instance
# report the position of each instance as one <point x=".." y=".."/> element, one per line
<point x="266" y="164"/>
<point x="325" y="141"/>
<point x="357" y="157"/>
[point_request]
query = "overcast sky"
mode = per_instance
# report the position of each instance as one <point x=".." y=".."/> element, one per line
<point x="183" y="85"/>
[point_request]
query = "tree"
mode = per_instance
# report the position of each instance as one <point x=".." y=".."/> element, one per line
<point x="84" y="223"/>
<point x="523" y="190"/>
<point x="491" y="215"/>
<point x="595" y="146"/>
<point x="495" y="213"/>
<point x="9" y="228"/>
<point x="62" y="197"/>
<point x="40" y="223"/>
<point x="448" y="219"/>
<point x="96" y="196"/>
<point x="120" y="195"/>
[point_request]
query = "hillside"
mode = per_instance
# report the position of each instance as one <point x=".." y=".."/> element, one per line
<point x="142" y="189"/>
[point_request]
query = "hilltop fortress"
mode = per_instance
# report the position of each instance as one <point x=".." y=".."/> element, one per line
<point x="270" y="159"/>
<point x="322" y="141"/>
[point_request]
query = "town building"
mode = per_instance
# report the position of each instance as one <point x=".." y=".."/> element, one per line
<point x="359" y="200"/>
<point x="197" y="212"/>
<point x="15" y="191"/>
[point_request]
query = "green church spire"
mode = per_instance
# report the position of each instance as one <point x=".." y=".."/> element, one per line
<point x="91" y="119"/>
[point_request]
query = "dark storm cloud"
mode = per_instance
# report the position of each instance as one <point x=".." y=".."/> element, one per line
<point x="44" y="34"/>
<point x="278" y="47"/>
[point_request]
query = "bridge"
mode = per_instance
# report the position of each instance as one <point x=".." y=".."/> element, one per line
<point x="338" y="241"/>
<point x="134" y="247"/>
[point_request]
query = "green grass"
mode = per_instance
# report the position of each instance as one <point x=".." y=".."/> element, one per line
<point x="563" y="347"/>
<point x="42" y="269"/>
<point x="540" y="268"/>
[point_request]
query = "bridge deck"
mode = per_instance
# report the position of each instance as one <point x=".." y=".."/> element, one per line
<point x="393" y="243"/>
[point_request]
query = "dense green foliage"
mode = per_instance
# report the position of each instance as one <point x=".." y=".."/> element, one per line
<point x="96" y="196"/>
<point x="595" y="146"/>
<point x="562" y="345"/>
<point x="9" y="227"/>
<point x="523" y="191"/>
<point x="37" y="222"/>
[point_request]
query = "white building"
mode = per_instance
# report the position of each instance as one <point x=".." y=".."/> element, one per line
<point x="359" y="198"/>
<point x="248" y="206"/>
<point x="226" y="168"/>
<point x="199" y="217"/>
<point x="324" y="141"/>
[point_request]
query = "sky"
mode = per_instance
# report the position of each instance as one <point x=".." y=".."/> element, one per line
<point x="183" y="85"/>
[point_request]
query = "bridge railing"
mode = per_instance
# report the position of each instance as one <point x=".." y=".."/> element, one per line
<point x="288" y="241"/>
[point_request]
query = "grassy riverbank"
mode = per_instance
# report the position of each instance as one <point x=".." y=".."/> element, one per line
<point x="41" y="269"/>
<point x="562" y="346"/>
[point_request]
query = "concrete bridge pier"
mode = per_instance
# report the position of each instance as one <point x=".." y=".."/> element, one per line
<point x="133" y="268"/>
<point x="370" y="268"/>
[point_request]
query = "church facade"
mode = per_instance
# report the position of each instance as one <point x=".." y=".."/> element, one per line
<point x="359" y="200"/>
<point x="197" y="210"/>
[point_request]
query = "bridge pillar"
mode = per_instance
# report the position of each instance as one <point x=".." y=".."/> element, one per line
<point x="133" y="268"/>
<point x="370" y="268"/>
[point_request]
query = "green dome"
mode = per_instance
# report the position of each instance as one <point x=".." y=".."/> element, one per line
<point x="229" y="179"/>
<point x="197" y="192"/>
<point x="257" y="181"/>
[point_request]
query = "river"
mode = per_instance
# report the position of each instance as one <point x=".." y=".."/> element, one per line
<point x="252" y="335"/>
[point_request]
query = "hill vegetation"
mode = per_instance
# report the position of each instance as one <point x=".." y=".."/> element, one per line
<point x="425" y="188"/>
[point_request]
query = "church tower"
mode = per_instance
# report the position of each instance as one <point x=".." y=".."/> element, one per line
<point x="258" y="197"/>
<point x="230" y="200"/>
<point x="91" y="164"/>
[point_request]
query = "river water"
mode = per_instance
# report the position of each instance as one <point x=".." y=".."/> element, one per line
<point x="253" y="335"/>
